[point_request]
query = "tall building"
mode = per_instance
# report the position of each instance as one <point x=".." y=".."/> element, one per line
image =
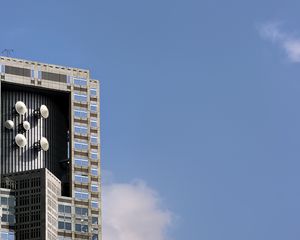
<point x="50" y="152"/>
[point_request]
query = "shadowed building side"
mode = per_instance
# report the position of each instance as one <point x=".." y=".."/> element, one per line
<point x="54" y="129"/>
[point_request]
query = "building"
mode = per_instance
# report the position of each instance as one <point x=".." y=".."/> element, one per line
<point x="50" y="152"/>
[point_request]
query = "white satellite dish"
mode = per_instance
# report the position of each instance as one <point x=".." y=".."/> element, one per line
<point x="44" y="144"/>
<point x="21" y="107"/>
<point x="26" y="125"/>
<point x="9" y="124"/>
<point x="44" y="111"/>
<point x="20" y="140"/>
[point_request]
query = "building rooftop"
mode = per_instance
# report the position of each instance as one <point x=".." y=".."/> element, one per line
<point x="30" y="62"/>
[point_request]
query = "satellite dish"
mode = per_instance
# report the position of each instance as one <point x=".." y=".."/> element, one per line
<point x="9" y="124"/>
<point x="20" y="140"/>
<point x="44" y="144"/>
<point x="44" y="111"/>
<point x="26" y="125"/>
<point x="21" y="107"/>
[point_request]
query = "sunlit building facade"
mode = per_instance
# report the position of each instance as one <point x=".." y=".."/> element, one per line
<point x="50" y="152"/>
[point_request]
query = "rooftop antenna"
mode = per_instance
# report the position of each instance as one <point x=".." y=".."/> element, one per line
<point x="7" y="52"/>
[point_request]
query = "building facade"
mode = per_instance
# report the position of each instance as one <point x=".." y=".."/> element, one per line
<point x="50" y="152"/>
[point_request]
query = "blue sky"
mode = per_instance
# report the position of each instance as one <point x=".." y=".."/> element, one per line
<point x="200" y="106"/>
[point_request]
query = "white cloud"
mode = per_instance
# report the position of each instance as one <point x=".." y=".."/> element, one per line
<point x="132" y="211"/>
<point x="287" y="41"/>
<point x="271" y="31"/>
<point x="292" y="48"/>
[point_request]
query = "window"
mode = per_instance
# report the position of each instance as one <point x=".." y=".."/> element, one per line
<point x="81" y="227"/>
<point x="11" y="218"/>
<point x="64" y="209"/>
<point x="7" y="236"/>
<point x="94" y="123"/>
<point x="61" y="208"/>
<point x="61" y="225"/>
<point x="94" y="140"/>
<point x="54" y="77"/>
<point x="80" y="97"/>
<point x="64" y="238"/>
<point x="94" y="220"/>
<point x="17" y="71"/>
<point x="80" y="114"/>
<point x="80" y="129"/>
<point x="81" y="146"/>
<point x="94" y="155"/>
<point x="11" y="201"/>
<point x="67" y="209"/>
<point x="80" y="81"/>
<point x="94" y="204"/>
<point x="32" y="73"/>
<point x="94" y="188"/>
<point x="68" y="226"/>
<point x="95" y="237"/>
<point x="81" y="179"/>
<point x="94" y="172"/>
<point x="64" y="225"/>
<point x="79" y="162"/>
<point x="81" y="211"/>
<point x="68" y="80"/>
<point x="94" y="108"/>
<point x="8" y="218"/>
<point x="93" y="92"/>
<point x="81" y="195"/>
<point x="39" y="74"/>
<point x="4" y="201"/>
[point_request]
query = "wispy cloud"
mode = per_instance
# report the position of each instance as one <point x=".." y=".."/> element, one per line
<point x="285" y="40"/>
<point x="133" y="211"/>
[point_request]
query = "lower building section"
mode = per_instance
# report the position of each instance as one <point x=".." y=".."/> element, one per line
<point x="36" y="197"/>
<point x="7" y="213"/>
<point x="32" y="208"/>
<point x="76" y="220"/>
